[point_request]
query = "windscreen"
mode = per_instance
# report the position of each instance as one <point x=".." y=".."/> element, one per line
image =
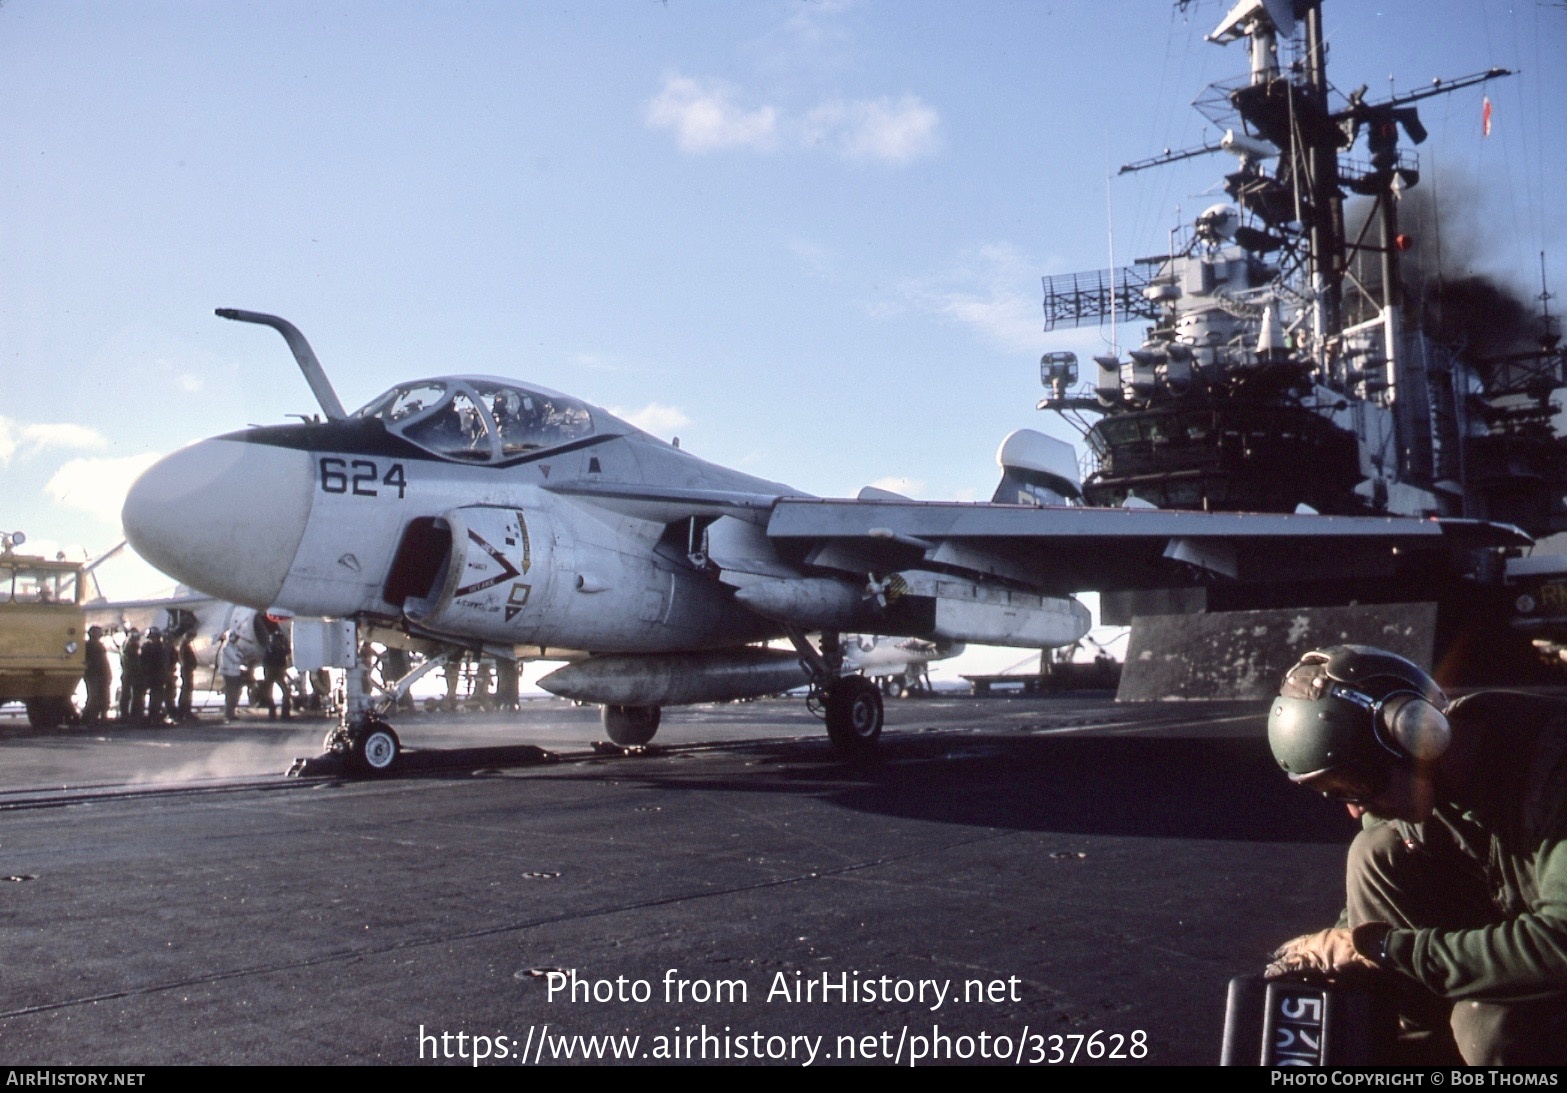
<point x="480" y="420"/>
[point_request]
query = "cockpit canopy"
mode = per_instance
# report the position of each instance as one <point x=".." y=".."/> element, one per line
<point x="479" y="420"/>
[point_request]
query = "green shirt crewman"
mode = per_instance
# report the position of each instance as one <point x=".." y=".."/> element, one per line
<point x="1457" y="884"/>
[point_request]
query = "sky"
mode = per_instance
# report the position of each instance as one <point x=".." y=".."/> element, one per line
<point x="805" y="236"/>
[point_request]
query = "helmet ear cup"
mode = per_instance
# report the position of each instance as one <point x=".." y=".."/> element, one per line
<point x="1416" y="726"/>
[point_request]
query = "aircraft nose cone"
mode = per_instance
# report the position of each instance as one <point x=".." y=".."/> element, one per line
<point x="223" y="516"/>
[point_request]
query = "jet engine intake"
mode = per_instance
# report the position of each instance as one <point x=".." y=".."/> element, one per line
<point x="476" y="570"/>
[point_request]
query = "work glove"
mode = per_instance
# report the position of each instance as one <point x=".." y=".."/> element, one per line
<point x="1328" y="953"/>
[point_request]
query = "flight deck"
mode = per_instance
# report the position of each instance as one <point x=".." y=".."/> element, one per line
<point x="1060" y="881"/>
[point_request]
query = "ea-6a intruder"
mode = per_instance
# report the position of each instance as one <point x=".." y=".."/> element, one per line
<point x="493" y="515"/>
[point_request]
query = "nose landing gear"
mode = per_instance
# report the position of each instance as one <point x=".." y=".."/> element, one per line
<point x="362" y="736"/>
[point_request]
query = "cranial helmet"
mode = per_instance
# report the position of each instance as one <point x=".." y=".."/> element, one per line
<point x="1358" y="710"/>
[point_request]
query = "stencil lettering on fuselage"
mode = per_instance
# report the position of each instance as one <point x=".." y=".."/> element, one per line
<point x="500" y="568"/>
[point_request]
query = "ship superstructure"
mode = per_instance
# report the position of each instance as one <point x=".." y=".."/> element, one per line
<point x="1292" y="355"/>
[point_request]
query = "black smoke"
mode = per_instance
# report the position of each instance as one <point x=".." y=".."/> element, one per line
<point x="1445" y="282"/>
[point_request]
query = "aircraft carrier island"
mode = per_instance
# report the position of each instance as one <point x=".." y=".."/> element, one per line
<point x="1321" y="341"/>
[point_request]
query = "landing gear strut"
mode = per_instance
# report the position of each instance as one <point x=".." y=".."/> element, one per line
<point x="362" y="737"/>
<point x="851" y="705"/>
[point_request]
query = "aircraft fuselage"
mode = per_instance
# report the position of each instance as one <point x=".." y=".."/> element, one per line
<point x="349" y="519"/>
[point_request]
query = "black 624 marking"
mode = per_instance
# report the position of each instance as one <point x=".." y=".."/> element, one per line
<point x="360" y="477"/>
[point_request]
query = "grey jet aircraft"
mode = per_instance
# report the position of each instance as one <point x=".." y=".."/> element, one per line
<point x="495" y="515"/>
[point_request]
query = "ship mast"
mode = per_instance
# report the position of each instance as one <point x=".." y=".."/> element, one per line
<point x="1325" y="203"/>
<point x="1279" y="338"/>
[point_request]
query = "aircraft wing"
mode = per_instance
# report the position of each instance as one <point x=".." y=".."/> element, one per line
<point x="178" y="599"/>
<point x="1065" y="550"/>
<point x="114" y="615"/>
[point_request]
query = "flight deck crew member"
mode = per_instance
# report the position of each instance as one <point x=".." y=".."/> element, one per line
<point x="155" y="676"/>
<point x="484" y="682"/>
<point x="97" y="678"/>
<point x="171" y="678"/>
<point x="132" y="693"/>
<point x="451" y="671"/>
<point x="275" y="664"/>
<point x="231" y="666"/>
<point x="507" y="684"/>
<point x="1457" y="882"/>
<point x="187" y="659"/>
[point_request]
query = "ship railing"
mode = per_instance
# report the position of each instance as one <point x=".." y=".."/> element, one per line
<point x="1355" y="170"/>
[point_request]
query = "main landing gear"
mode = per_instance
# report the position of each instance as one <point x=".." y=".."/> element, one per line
<point x="851" y="705"/>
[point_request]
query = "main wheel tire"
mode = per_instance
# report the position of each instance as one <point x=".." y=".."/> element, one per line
<point x="631" y="726"/>
<point x="854" y="715"/>
<point x="376" y="749"/>
<point x="48" y="713"/>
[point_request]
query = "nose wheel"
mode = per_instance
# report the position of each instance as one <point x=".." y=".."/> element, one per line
<point x="375" y="749"/>
<point x="371" y="749"/>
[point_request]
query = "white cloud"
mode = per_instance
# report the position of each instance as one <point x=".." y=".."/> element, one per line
<point x="705" y="118"/>
<point x="990" y="294"/>
<point x="28" y="439"/>
<point x="885" y="130"/>
<point x="98" y="486"/>
<point x="655" y="418"/>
